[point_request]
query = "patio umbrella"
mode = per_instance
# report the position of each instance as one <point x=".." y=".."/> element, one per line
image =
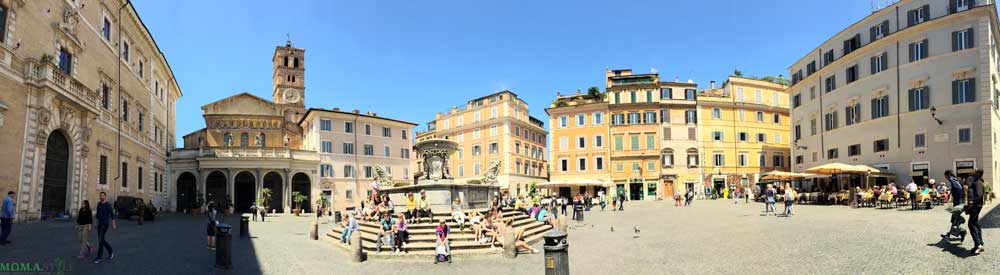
<point x="835" y="168"/>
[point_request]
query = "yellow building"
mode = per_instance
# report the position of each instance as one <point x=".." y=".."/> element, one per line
<point x="580" y="152"/>
<point x="492" y="128"/>
<point x="634" y="107"/>
<point x="745" y="130"/>
<point x="87" y="106"/>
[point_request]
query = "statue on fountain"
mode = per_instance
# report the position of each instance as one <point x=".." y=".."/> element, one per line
<point x="435" y="154"/>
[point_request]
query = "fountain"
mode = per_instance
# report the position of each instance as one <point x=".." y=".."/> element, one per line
<point x="435" y="179"/>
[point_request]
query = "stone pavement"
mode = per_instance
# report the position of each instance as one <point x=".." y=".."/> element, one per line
<point x="712" y="237"/>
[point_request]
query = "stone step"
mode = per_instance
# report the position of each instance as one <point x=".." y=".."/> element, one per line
<point x="459" y="242"/>
<point x="369" y="234"/>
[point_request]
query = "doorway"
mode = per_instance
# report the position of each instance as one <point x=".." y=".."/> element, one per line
<point x="185" y="191"/>
<point x="56" y="175"/>
<point x="301" y="184"/>
<point x="635" y="190"/>
<point x="245" y="190"/>
<point x="273" y="184"/>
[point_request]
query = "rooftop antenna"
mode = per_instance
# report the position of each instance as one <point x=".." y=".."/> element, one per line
<point x="288" y="40"/>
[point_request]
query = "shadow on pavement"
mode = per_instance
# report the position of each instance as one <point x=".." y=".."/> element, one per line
<point x="954" y="249"/>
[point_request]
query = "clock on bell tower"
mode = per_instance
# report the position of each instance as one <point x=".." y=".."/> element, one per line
<point x="289" y="75"/>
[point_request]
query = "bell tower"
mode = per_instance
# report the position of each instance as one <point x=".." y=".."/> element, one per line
<point x="289" y="75"/>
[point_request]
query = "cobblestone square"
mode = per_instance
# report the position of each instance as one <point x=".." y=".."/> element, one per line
<point x="711" y="237"/>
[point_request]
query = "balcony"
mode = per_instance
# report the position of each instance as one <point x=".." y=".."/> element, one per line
<point x="46" y="74"/>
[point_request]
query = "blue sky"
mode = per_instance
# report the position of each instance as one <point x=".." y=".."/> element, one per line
<point x="410" y="59"/>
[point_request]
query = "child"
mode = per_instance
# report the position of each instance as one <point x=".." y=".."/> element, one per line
<point x="441" y="246"/>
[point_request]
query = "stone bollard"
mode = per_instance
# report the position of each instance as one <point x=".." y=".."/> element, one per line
<point x="314" y="230"/>
<point x="244" y="226"/>
<point x="509" y="251"/>
<point x="556" y="253"/>
<point x="224" y="246"/>
<point x="357" y="255"/>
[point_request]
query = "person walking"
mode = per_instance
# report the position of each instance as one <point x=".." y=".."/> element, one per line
<point x="7" y="215"/>
<point x="957" y="207"/>
<point x="747" y="194"/>
<point x="105" y="217"/>
<point x="735" y="195"/>
<point x="210" y="227"/>
<point x="769" y="197"/>
<point x="84" y="223"/>
<point x="789" y="199"/>
<point x="973" y="207"/>
<point x="600" y="196"/>
<point x="263" y="212"/>
<point x="253" y="211"/>
<point x="912" y="189"/>
<point x="142" y="212"/>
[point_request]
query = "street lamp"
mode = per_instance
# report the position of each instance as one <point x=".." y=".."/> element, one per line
<point x="933" y="110"/>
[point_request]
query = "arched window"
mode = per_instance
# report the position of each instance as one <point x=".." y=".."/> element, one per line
<point x="286" y="61"/>
<point x="227" y="139"/>
<point x="295" y="62"/>
<point x="244" y="140"/>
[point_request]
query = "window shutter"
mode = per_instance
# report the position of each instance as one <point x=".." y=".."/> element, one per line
<point x="972" y="90"/>
<point x="927" y="48"/>
<point x="874" y="105"/>
<point x="885" y="60"/>
<point x="912" y="45"/>
<point x="911" y="99"/>
<point x="885" y="105"/>
<point x="857" y="112"/>
<point x="952" y="6"/>
<point x="873" y="65"/>
<point x="926" y="97"/>
<point x="871" y="34"/>
<point x="847" y="46"/>
<point x="885" y="28"/>
<point x="954" y="91"/>
<point x="971" y="41"/>
<point x="925" y="11"/>
<point x="848" y="113"/>
<point x="911" y="17"/>
<point x="954" y="41"/>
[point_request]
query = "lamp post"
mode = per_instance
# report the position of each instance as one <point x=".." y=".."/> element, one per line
<point x="934" y="116"/>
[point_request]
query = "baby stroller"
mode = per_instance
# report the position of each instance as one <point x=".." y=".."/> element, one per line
<point x="956" y="223"/>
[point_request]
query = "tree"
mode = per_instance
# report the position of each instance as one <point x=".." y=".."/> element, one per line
<point x="593" y="91"/>
<point x="738" y="73"/>
<point x="265" y="198"/>
<point x="298" y="197"/>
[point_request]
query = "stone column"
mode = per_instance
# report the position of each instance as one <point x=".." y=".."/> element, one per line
<point x="259" y="187"/>
<point x="230" y="186"/>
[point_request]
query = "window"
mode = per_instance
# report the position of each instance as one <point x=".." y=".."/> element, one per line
<point x="475" y="133"/>
<point x="741" y="114"/>
<point x="618" y="98"/>
<point x="517" y="131"/>
<point x="761" y="159"/>
<point x="124" y="176"/>
<point x="762" y="137"/>
<point x="810" y="68"/>
<point x="494" y="148"/>
<point x="878" y="31"/>
<point x="634" y="142"/>
<point x="743" y="136"/>
<point x="581" y="142"/>
<point x="668" y="159"/>
<point x="493" y="130"/>
<point x="760" y="116"/>
<point x="581" y="119"/>
<point x="689" y="94"/>
<point x="666" y="93"/>
<point x="617" y="119"/>
<point x="741" y="160"/>
<point x="142" y="69"/>
<point x="632" y="97"/>
<point x="777" y="138"/>
<point x="879" y="63"/>
<point x="402" y="133"/>
<point x="852" y="44"/>
<point x="853" y="114"/>
<point x="461" y="152"/>
<point x="105" y="93"/>
<point x="349" y="171"/>
<point x="325" y="125"/>
<point x="776" y="118"/>
<point x="386" y="132"/>
<point x="650" y="142"/>
<point x="918" y="50"/>
<point x="598" y="118"/>
<point x="964" y="135"/>
<point x="812" y="127"/>
<point x="563" y="165"/>
<point x="854" y="150"/>
<point x="348" y="127"/>
<point x="828" y="58"/>
<point x="649" y="117"/>
<point x="598" y="141"/>
<point x="963" y="91"/>
<point x="125" y="50"/>
<point x="649" y="96"/>
<point x="138" y="177"/>
<point x="690" y="117"/>
<point x="830" y="120"/>
<point x="618" y="143"/>
<point x="881" y="145"/>
<point x="831" y="83"/>
<point x="244" y="140"/>
<point x="325" y="170"/>
<point x="103" y="172"/>
<point x="719" y="160"/>
<point x="812" y="92"/>
<point x="477" y="150"/>
<point x="919" y="98"/>
<point x="493" y="112"/>
<point x="327" y="146"/>
<point x="349" y="148"/>
<point x="368" y="128"/>
<point x="369" y="172"/>
<point x="798" y="132"/>
<point x="799" y="159"/>
<point x="778" y="161"/>
<point x="716" y="113"/>
<point x="960" y="5"/>
<point x="619" y="167"/>
<point x="775" y="99"/>
<point x="717" y="135"/>
<point x="852" y="73"/>
<point x="369" y="150"/>
<point x="387" y="151"/>
<point x="651" y="166"/>
<point x="831" y="153"/>
<point x="918" y="15"/>
<point x="105" y="28"/>
<point x="475" y="169"/>
<point x="563" y="121"/>
<point x="634" y="118"/>
<point x="563" y="143"/>
<point x="65" y="61"/>
<point x="759" y="96"/>
<point x="140" y="121"/>
<point x="599" y="163"/>
<point x="961" y="40"/>
<point x="739" y="94"/>
<point x="692" y="159"/>
<point x="581" y="164"/>
<point x="404" y="153"/>
<point x="919" y="140"/>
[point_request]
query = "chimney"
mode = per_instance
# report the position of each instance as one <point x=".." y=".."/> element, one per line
<point x="374" y="114"/>
<point x="336" y="109"/>
<point x="711" y="84"/>
<point x="356" y="111"/>
<point x="578" y="92"/>
<point x="677" y="79"/>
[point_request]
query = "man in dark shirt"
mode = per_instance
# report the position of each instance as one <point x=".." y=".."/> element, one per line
<point x="975" y="205"/>
<point x="105" y="216"/>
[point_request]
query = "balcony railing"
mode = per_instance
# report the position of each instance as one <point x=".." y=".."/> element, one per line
<point x="46" y="74"/>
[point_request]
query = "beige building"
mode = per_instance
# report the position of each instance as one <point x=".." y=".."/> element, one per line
<point x="351" y="145"/>
<point x="580" y="152"/>
<point x="910" y="88"/>
<point x="87" y="107"/>
<point x="249" y="144"/>
<point x="744" y="131"/>
<point x="679" y="150"/>
<point x="496" y="127"/>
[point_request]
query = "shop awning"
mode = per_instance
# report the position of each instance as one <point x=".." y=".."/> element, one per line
<point x="572" y="183"/>
<point x="839" y="168"/>
<point x="781" y="175"/>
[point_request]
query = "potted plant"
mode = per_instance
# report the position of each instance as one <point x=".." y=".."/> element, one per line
<point x="265" y="199"/>
<point x="298" y="198"/>
<point x="196" y="203"/>
<point x="322" y="202"/>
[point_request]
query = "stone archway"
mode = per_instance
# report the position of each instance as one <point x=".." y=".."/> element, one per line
<point x="302" y="184"/>
<point x="186" y="186"/>
<point x="273" y="182"/>
<point x="55" y="183"/>
<point x="215" y="189"/>
<point x="245" y="190"/>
